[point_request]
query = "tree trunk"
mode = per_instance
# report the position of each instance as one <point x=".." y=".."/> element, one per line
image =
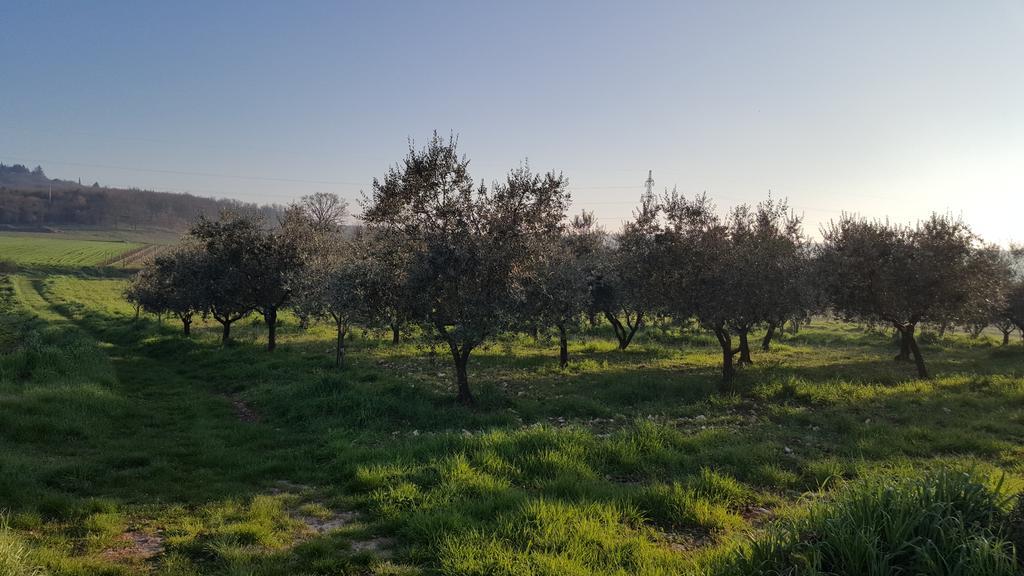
<point x="225" y="335"/>
<point x="922" y="371"/>
<point x="270" y="317"/>
<point x="534" y="332"/>
<point x="465" y="396"/>
<point x="339" y="346"/>
<point x="186" y="324"/>
<point x="563" y="347"/>
<point x="942" y="329"/>
<point x="766" y="342"/>
<point x="906" y="334"/>
<point x="744" y="348"/>
<point x="461" y="358"/>
<point x="395" y="333"/>
<point x="794" y="326"/>
<point x="725" y="341"/>
<point x="620" y="332"/>
<point x="633" y="329"/>
<point x="624" y="333"/>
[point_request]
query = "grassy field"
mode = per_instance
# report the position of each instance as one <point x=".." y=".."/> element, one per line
<point x="126" y="448"/>
<point x="47" y="250"/>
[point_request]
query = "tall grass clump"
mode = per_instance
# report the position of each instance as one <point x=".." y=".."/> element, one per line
<point x="947" y="523"/>
<point x="556" y="538"/>
<point x="15" y="556"/>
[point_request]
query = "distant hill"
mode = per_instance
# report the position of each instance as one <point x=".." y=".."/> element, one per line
<point x="31" y="200"/>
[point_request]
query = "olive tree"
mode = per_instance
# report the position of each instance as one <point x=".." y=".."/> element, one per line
<point x="249" y="267"/>
<point x="990" y="282"/>
<point x="1014" y="311"/>
<point x="1006" y="327"/>
<point x="1012" y="314"/>
<point x="171" y="283"/>
<point x="624" y="288"/>
<point x="388" y="257"/>
<point x="227" y="290"/>
<point x="767" y="260"/>
<point x="472" y="245"/>
<point x="275" y="259"/>
<point x="331" y="284"/>
<point x="143" y="292"/>
<point x="314" y="226"/>
<point x="559" y="294"/>
<point x="876" y="272"/>
<point x="345" y="299"/>
<point x="702" y="278"/>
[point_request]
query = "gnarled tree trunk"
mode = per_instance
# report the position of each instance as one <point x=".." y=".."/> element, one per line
<point x="904" y="355"/>
<point x="563" y="346"/>
<point x="909" y="344"/>
<point x="728" y="372"/>
<point x="461" y="357"/>
<point x="766" y="342"/>
<point x="270" y="317"/>
<point x="186" y="323"/>
<point x="226" y="321"/>
<point x="745" y="358"/>
<point x="624" y="332"/>
<point x="922" y="371"/>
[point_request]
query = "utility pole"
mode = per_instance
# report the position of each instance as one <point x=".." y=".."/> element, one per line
<point x="649" y="183"/>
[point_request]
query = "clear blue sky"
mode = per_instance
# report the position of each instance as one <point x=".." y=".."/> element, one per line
<point x="883" y="108"/>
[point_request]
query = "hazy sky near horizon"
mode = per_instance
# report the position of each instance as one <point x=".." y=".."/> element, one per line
<point x="887" y="109"/>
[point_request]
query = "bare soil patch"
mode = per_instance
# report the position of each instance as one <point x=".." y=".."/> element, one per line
<point x="137" y="546"/>
<point x="322" y="525"/>
<point x="244" y="412"/>
<point x="378" y="546"/>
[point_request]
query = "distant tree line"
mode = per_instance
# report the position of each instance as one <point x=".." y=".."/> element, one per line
<point x="29" y="199"/>
<point x="467" y="262"/>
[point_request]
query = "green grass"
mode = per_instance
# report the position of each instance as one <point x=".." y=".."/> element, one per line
<point x="114" y="432"/>
<point x="38" y="249"/>
<point x="945" y="523"/>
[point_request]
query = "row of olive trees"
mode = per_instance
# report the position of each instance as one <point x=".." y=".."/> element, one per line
<point x="467" y="262"/>
<point x="755" y="269"/>
<point x="935" y="272"/>
<point x="229" y="268"/>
